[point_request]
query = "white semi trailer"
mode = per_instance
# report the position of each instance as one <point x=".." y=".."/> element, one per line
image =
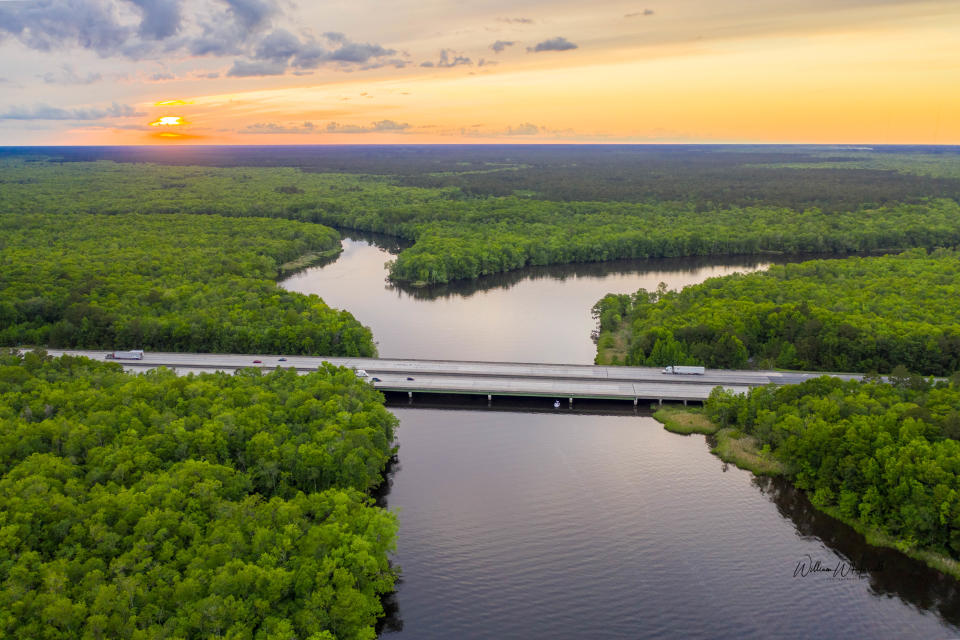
<point x="695" y="371"/>
<point x="125" y="355"/>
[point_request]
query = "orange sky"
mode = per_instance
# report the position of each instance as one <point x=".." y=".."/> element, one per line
<point x="871" y="72"/>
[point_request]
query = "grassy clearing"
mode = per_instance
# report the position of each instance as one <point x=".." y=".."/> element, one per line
<point x="685" y="421"/>
<point x="308" y="259"/>
<point x="742" y="450"/>
<point x="612" y="347"/>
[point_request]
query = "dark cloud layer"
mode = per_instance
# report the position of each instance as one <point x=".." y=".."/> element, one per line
<point x="47" y="112"/>
<point x="553" y="44"/>
<point x="157" y="29"/>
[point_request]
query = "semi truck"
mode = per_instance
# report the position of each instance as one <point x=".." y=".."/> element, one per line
<point x="696" y="371"/>
<point x="125" y="355"/>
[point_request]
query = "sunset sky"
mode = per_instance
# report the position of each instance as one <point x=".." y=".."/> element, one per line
<point x="437" y="71"/>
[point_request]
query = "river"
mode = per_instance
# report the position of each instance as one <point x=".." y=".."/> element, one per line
<point x="520" y="524"/>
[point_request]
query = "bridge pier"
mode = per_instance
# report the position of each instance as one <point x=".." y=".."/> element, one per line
<point x="571" y="402"/>
<point x="660" y="400"/>
<point x="684" y="403"/>
<point x="635" y="401"/>
<point x="409" y="397"/>
<point x="489" y="399"/>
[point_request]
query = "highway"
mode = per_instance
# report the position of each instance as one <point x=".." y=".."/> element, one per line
<point x="560" y="381"/>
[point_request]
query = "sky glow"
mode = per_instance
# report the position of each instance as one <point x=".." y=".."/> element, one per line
<point x="272" y="72"/>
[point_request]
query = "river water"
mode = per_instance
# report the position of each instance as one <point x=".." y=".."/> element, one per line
<point x="520" y="524"/>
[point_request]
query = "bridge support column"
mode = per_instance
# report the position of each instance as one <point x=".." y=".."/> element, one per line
<point x="571" y="402"/>
<point x="684" y="403"/>
<point x="409" y="397"/>
<point x="635" y="401"/>
<point x="660" y="400"/>
<point x="489" y="399"/>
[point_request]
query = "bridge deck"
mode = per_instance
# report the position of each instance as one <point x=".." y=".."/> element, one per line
<point x="484" y="378"/>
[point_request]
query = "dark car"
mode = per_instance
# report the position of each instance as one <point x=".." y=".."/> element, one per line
<point x="375" y="380"/>
<point x="409" y="378"/>
<point x="257" y="362"/>
<point x="283" y="359"/>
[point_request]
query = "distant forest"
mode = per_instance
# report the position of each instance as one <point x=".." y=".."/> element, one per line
<point x="475" y="211"/>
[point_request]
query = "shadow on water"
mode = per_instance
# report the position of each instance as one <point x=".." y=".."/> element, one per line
<point x="455" y="402"/>
<point x="506" y="280"/>
<point x="890" y="573"/>
<point x="391" y="244"/>
<point x="391" y="620"/>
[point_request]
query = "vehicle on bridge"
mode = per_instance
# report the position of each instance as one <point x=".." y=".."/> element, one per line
<point x="678" y="369"/>
<point x="125" y="355"/>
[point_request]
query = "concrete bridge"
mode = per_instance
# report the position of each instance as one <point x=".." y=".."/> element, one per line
<point x="564" y="382"/>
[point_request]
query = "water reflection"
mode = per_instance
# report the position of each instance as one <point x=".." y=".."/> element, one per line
<point x="597" y="270"/>
<point x="890" y="573"/>
<point x="539" y="314"/>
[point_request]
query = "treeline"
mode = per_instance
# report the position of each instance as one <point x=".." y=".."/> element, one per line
<point x="165" y="282"/>
<point x="456" y="235"/>
<point x="145" y="506"/>
<point x="881" y="455"/>
<point x="855" y="314"/>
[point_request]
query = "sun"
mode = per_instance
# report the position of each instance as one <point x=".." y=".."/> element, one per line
<point x="167" y="121"/>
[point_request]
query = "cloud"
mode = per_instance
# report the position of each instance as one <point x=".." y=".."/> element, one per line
<point x="47" y="112"/>
<point x="47" y="25"/>
<point x="375" y="127"/>
<point x="525" y="129"/>
<point x="356" y="52"/>
<point x="553" y="44"/>
<point x="278" y="46"/>
<point x="161" y="29"/>
<point x="645" y="12"/>
<point x="161" y="18"/>
<point x="247" y="69"/>
<point x="161" y="76"/>
<point x="273" y="127"/>
<point x="67" y="75"/>
<point x="450" y="58"/>
<point x="486" y="63"/>
<point x="516" y="20"/>
<point x="500" y="45"/>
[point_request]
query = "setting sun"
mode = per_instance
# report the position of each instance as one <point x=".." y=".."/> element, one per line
<point x="167" y="121"/>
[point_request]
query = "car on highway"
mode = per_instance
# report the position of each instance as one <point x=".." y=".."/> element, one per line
<point x="283" y="359"/>
<point x="375" y="380"/>
<point x="409" y="378"/>
<point x="361" y="373"/>
<point x="258" y="362"/>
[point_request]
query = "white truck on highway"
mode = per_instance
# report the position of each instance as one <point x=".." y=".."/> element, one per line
<point x="695" y="371"/>
<point x="136" y="354"/>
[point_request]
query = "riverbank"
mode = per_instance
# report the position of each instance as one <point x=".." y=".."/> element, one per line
<point x="308" y="260"/>
<point x="737" y="448"/>
<point x="730" y="445"/>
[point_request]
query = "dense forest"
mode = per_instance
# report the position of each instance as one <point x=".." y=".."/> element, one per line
<point x="213" y="505"/>
<point x="882" y="455"/>
<point x="854" y="314"/>
<point x="489" y="211"/>
<point x="169" y="282"/>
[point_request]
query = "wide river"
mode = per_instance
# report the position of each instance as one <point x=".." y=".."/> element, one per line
<point x="557" y="524"/>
